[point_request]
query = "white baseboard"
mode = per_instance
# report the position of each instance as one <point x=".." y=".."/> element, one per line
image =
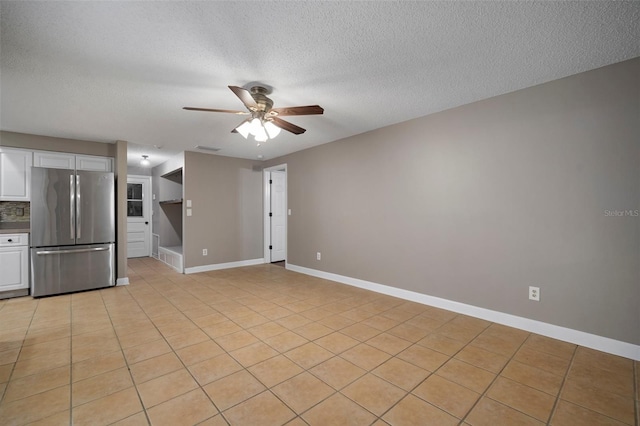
<point x="227" y="265"/>
<point x="122" y="281"/>
<point x="604" y="344"/>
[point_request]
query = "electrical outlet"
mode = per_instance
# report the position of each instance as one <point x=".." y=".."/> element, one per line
<point x="534" y="293"/>
<point x="318" y="256"/>
<point x="205" y="252"/>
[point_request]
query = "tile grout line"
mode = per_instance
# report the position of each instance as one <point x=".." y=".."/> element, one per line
<point x="174" y="351"/>
<point x="256" y="291"/>
<point x="377" y="417"/>
<point x="395" y="356"/>
<point x="304" y="370"/>
<point x="4" y="394"/>
<point x="125" y="360"/>
<point x="199" y="386"/>
<point x="333" y="331"/>
<point x="317" y="321"/>
<point x="453" y="356"/>
<point x="484" y="393"/>
<point x="557" y="396"/>
<point x="309" y="341"/>
<point x="589" y="408"/>
<point x="246" y="369"/>
<point x="334" y="355"/>
<point x="432" y="372"/>
<point x="561" y="388"/>
<point x="145" y="409"/>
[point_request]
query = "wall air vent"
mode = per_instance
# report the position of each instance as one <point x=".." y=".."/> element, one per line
<point x="208" y="148"/>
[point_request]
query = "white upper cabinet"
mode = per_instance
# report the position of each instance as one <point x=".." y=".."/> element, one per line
<point x="15" y="168"/>
<point x="54" y="160"/>
<point x="15" y="174"/>
<point x="91" y="162"/>
<point x="61" y="160"/>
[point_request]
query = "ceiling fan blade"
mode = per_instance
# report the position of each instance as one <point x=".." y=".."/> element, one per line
<point x="245" y="97"/>
<point x="289" y="127"/>
<point x="299" y="110"/>
<point x="216" y="110"/>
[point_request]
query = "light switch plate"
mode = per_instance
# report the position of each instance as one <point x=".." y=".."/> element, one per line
<point x="188" y="203"/>
<point x="189" y="212"/>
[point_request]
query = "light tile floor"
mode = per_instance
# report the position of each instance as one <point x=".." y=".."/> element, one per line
<point x="265" y="346"/>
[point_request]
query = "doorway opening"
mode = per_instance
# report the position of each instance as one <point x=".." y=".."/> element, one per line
<point x="138" y="216"/>
<point x="275" y="214"/>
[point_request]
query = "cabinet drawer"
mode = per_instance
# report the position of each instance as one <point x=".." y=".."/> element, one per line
<point x="10" y="240"/>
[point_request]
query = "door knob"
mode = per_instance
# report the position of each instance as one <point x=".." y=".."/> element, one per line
<point x="146" y="223"/>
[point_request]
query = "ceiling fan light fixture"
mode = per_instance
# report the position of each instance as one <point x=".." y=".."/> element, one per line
<point x="264" y="122"/>
<point x="145" y="162"/>
<point x="272" y="129"/>
<point x="244" y="129"/>
<point x="261" y="135"/>
<point x="256" y="125"/>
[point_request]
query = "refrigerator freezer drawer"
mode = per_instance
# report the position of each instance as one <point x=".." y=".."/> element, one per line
<point x="57" y="270"/>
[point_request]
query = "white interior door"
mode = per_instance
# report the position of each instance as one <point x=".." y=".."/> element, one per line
<point x="138" y="216"/>
<point x="278" y="215"/>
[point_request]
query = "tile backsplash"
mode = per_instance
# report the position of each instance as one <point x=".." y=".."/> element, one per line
<point x="10" y="211"/>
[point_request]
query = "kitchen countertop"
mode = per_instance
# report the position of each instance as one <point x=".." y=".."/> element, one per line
<point x="14" y="227"/>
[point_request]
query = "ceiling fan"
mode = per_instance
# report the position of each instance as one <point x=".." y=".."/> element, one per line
<point x="264" y="121"/>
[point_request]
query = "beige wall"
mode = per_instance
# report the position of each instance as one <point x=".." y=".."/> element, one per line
<point x="138" y="171"/>
<point x="477" y="203"/>
<point x="47" y="143"/>
<point x="227" y="210"/>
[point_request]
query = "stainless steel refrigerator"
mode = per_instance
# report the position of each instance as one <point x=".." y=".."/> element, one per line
<point x="72" y="231"/>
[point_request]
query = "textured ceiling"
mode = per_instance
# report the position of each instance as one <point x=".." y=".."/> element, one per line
<point x="105" y="71"/>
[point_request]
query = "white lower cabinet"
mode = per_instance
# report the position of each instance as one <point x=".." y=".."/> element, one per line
<point x="14" y="262"/>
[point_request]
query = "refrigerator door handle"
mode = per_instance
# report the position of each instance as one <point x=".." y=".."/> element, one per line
<point x="72" y="207"/>
<point x="78" y="215"/>
<point x="72" y="251"/>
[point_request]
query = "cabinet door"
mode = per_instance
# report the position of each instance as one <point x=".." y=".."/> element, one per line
<point x="93" y="163"/>
<point x="54" y="160"/>
<point x="14" y="267"/>
<point x="15" y="174"/>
